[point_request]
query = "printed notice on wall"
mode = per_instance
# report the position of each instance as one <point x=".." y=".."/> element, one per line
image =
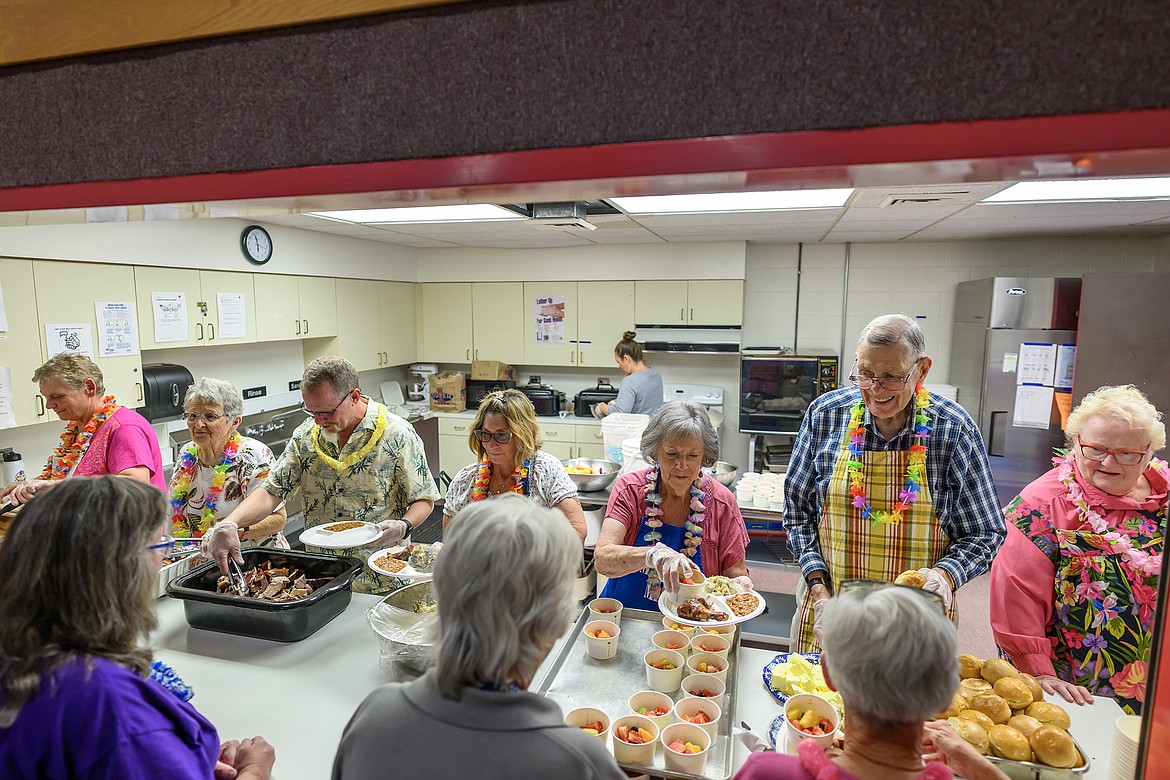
<point x="170" y="316"/>
<point x="550" y="319"/>
<point x="233" y="316"/>
<point x="1033" y="406"/>
<point x="7" y="413"/>
<point x="117" y="324"/>
<point x="3" y="312"/>
<point x="74" y="338"/>
<point x="1037" y="364"/>
<point x="1010" y="359"/>
<point x="1066" y="356"/>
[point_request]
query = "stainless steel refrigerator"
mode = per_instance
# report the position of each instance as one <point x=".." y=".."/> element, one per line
<point x="993" y="319"/>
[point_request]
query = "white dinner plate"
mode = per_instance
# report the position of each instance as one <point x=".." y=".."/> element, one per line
<point x="320" y="536"/>
<point x="667" y="605"/>
<point x="408" y="572"/>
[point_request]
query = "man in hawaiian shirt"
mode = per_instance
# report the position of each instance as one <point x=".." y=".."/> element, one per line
<point x="352" y="460"/>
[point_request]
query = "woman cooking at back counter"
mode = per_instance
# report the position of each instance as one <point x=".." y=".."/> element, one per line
<point x="669" y="519"/>
<point x="641" y="391"/>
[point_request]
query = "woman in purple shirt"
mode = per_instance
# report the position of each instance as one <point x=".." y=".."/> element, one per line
<point x="79" y="697"/>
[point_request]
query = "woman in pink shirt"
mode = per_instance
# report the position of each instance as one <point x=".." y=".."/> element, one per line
<point x="1074" y="587"/>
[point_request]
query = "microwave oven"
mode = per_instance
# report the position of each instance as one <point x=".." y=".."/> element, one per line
<point x="775" y="390"/>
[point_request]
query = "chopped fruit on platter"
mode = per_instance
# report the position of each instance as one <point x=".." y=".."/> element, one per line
<point x="601" y="633"/>
<point x="657" y="712"/>
<point x="698" y="717"/>
<point x="663" y="664"/>
<point x="635" y="736"/>
<point x="594" y="728"/>
<point x="678" y="746"/>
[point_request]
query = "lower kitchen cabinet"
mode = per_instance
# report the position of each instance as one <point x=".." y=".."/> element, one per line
<point x="454" y="452"/>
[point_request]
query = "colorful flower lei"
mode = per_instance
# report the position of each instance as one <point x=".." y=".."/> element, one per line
<point x="483" y="478"/>
<point x="1147" y="564"/>
<point x="75" y="442"/>
<point x="915" y="470"/>
<point x="354" y="457"/>
<point x="695" y="518"/>
<point x="185" y="472"/>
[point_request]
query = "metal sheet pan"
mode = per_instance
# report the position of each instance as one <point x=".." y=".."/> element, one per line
<point x="1028" y="770"/>
<point x="573" y="679"/>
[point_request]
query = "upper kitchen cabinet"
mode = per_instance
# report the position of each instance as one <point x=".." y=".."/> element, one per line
<point x="398" y="325"/>
<point x="685" y="303"/>
<point x="68" y="294"/>
<point x="497" y="310"/>
<point x="22" y="342"/>
<point x="179" y="307"/>
<point x="445" y="335"/>
<point x="605" y="313"/>
<point x="375" y="325"/>
<point x="550" y="323"/>
<point x="295" y="307"/>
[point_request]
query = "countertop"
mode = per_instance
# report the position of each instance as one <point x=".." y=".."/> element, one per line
<point x="300" y="696"/>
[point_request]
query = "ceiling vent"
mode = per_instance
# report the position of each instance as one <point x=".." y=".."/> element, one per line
<point x="922" y="199"/>
<point x="564" y="215"/>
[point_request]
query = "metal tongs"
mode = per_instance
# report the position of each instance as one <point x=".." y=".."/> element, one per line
<point x="236" y="575"/>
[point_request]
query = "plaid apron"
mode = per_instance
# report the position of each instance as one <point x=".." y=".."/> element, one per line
<point x="854" y="548"/>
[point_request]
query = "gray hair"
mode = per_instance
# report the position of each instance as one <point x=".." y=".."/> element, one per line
<point x="333" y="370"/>
<point x="676" y="420"/>
<point x="504" y="584"/>
<point x="215" y="392"/>
<point x="71" y="370"/>
<point x="1125" y="405"/>
<point x="887" y="676"/>
<point x="890" y="329"/>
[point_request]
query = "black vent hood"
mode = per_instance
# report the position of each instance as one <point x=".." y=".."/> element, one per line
<point x="693" y="341"/>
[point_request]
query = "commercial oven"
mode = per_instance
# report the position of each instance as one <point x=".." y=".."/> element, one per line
<point x="775" y="390"/>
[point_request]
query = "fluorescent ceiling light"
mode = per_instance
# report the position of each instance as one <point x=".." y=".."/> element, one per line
<point x="1082" y="189"/>
<point x="472" y="212"/>
<point x="733" y="201"/>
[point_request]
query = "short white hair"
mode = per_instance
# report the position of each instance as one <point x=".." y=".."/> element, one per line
<point x="215" y="392"/>
<point x="886" y="676"/>
<point x="676" y="421"/>
<point x="504" y="585"/>
<point x="890" y="329"/>
<point x="1125" y="405"/>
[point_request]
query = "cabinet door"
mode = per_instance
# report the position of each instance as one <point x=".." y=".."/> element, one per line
<point x="446" y="323"/>
<point x="318" y="305"/>
<point x="359" y="331"/>
<point x="398" y="323"/>
<point x="497" y="310"/>
<point x="278" y="311"/>
<point x="557" y="339"/>
<point x="221" y="324"/>
<point x="149" y="280"/>
<point x="715" y="302"/>
<point x="605" y="313"/>
<point x="90" y="283"/>
<point x="660" y="303"/>
<point x="21" y="344"/>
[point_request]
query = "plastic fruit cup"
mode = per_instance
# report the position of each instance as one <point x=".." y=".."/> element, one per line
<point x="670" y="623"/>
<point x="665" y="680"/>
<point x="665" y="638"/>
<point x="717" y="628"/>
<point x="712" y="662"/>
<point x="583" y="716"/>
<point x="691" y="591"/>
<point x="711" y="643"/>
<point x="776" y="502"/>
<point x="761" y="497"/>
<point x="601" y="648"/>
<point x="650" y="700"/>
<point x="745" y="494"/>
<point x="822" y="707"/>
<point x="605" y="609"/>
<point x="686" y="709"/>
<point x="704" y="682"/>
<point x="692" y="763"/>
<point x="635" y="754"/>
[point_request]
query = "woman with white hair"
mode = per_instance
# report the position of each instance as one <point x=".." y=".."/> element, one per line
<point x="665" y="521"/>
<point x="891" y="682"/>
<point x="1074" y="588"/>
<point x="220" y="467"/>
<point x="504" y="588"/>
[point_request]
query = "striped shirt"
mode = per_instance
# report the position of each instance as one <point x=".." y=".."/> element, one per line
<point x="957" y="474"/>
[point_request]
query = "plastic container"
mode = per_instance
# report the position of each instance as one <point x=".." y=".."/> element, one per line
<point x="632" y="454"/>
<point x="11" y="468"/>
<point x="280" y="621"/>
<point x="628" y="753"/>
<point x="617" y="428"/>
<point x="404" y="636"/>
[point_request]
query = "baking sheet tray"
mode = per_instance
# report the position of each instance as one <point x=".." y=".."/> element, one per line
<point x="573" y="679"/>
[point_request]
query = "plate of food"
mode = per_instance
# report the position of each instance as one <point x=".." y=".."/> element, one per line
<point x="406" y="561"/>
<point x="722" y="602"/>
<point x="341" y="534"/>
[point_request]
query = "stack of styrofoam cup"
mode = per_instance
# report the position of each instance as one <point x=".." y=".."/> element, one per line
<point x="1123" y="762"/>
<point x="745" y="488"/>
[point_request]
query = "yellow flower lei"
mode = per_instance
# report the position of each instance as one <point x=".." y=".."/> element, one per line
<point x="353" y="457"/>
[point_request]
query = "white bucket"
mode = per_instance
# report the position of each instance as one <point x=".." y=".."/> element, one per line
<point x="618" y="427"/>
<point x="632" y="459"/>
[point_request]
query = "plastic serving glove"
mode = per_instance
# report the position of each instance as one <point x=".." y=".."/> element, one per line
<point x="744" y="582"/>
<point x="392" y="531"/>
<point x="669" y="564"/>
<point x="818" y="619"/>
<point x="936" y="583"/>
<point x="220" y="541"/>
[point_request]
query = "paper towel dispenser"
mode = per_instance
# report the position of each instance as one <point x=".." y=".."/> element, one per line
<point x="166" y="386"/>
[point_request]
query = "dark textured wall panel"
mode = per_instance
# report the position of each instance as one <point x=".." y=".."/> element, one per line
<point x="489" y="77"/>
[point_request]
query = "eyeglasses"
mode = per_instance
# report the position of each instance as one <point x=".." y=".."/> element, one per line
<point x="210" y="419"/>
<point x="502" y="437"/>
<point x="329" y="413"/>
<point x="1123" y="457"/>
<point x="865" y="381"/>
<point x="165" y="544"/>
<point x="866" y="585"/>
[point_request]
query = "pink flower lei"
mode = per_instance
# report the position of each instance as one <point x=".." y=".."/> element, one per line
<point x="653" y="516"/>
<point x="1147" y="564"/>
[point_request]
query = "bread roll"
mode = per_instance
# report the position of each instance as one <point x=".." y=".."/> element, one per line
<point x="1014" y="692"/>
<point x="958" y="704"/>
<point x="910" y="577"/>
<point x="1006" y="742"/>
<point x="995" y="668"/>
<point x="972" y="732"/>
<point x="1033" y="685"/>
<point x="1049" y="713"/>
<point x="1025" y="724"/>
<point x="993" y="706"/>
<point x="978" y="717"/>
<point x="973" y="687"/>
<point x="1054" y="746"/>
<point x="970" y="666"/>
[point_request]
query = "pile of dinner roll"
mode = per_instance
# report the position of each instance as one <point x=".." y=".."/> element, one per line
<point x="1002" y="712"/>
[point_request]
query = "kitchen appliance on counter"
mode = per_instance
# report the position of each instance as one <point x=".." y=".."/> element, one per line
<point x="774" y="390"/>
<point x="166" y="385"/>
<point x="417" y="391"/>
<point x="548" y="401"/>
<point x="585" y="400"/>
<point x="478" y="388"/>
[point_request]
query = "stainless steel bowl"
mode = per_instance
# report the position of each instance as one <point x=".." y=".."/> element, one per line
<point x="591" y="482"/>
<point x="723" y="472"/>
<point x="418" y="655"/>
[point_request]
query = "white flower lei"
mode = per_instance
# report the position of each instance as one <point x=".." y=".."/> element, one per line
<point x="653" y="517"/>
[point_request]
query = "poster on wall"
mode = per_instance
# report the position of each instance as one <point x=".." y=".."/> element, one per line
<point x="1037" y="364"/>
<point x="75" y="338"/>
<point x="117" y="324"/>
<point x="170" y="316"/>
<point x="550" y="319"/>
<point x="233" y="316"/>
<point x="3" y="312"/>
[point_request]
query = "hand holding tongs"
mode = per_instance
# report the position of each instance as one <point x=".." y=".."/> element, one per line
<point x="236" y="575"/>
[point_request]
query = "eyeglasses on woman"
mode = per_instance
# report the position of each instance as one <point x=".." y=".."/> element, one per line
<point x="502" y="437"/>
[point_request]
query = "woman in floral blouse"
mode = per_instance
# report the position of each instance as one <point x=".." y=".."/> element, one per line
<point x="1074" y="587"/>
